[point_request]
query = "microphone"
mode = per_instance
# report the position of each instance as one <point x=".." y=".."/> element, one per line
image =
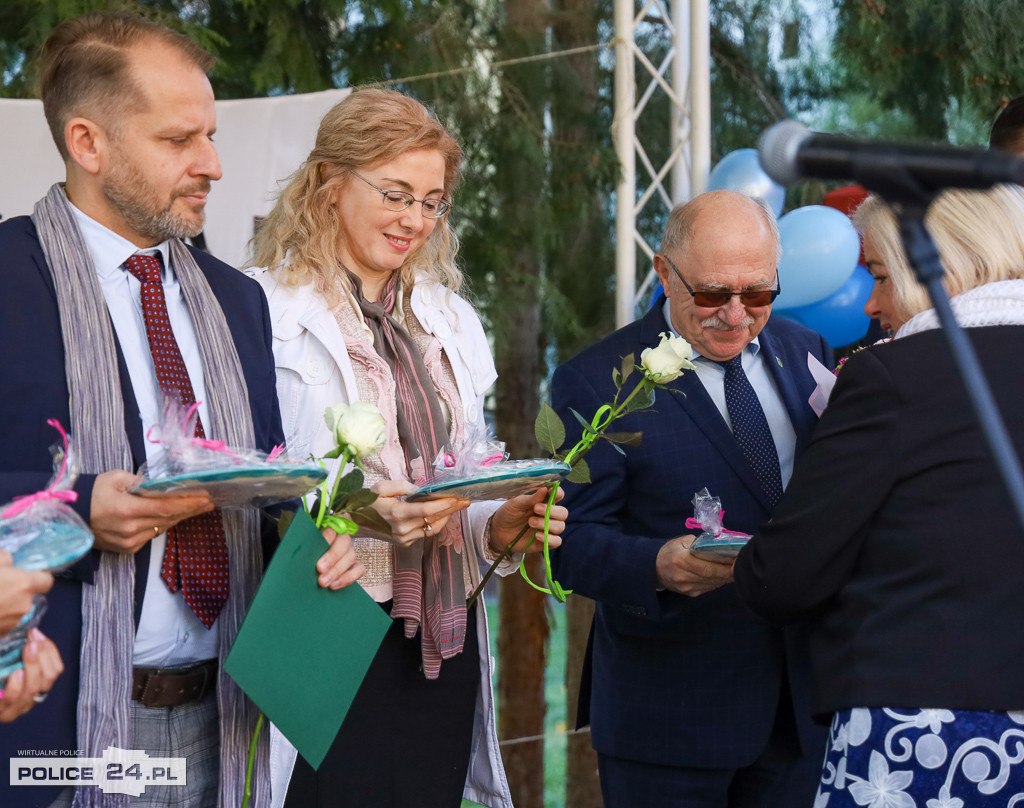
<point x="789" y="152"/>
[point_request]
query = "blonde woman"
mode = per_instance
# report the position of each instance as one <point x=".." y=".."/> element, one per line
<point x="358" y="260"/>
<point x="896" y="541"/>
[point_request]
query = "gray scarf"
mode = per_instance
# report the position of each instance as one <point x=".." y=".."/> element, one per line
<point x="97" y="426"/>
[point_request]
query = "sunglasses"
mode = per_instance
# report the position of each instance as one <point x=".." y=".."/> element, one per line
<point x="712" y="300"/>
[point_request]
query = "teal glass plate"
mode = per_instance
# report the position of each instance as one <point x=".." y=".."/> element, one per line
<point x="717" y="549"/>
<point x="498" y="482"/>
<point x="44" y="545"/>
<point x="240" y="485"/>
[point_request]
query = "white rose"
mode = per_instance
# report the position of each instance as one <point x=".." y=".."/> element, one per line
<point x="359" y="425"/>
<point x="668" y="360"/>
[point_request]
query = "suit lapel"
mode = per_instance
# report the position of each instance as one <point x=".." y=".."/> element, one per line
<point x="785" y="363"/>
<point x="701" y="410"/>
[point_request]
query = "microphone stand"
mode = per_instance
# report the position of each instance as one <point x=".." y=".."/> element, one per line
<point x="910" y="200"/>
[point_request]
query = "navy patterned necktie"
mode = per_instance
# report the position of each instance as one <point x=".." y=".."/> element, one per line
<point x="196" y="557"/>
<point x="750" y="428"/>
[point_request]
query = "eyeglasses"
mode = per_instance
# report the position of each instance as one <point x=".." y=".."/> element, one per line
<point x="713" y="299"/>
<point x="400" y="200"/>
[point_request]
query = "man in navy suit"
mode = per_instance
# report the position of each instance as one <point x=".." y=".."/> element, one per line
<point x="132" y="113"/>
<point x="691" y="701"/>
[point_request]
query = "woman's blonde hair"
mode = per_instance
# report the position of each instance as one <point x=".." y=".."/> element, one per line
<point x="979" y="235"/>
<point x="366" y="128"/>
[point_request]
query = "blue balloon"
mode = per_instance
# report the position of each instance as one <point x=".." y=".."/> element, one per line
<point x="741" y="171"/>
<point x="820" y="248"/>
<point x="840" y="317"/>
<point x="657" y="295"/>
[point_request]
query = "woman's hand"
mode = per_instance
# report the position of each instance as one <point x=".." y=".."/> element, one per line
<point x="509" y="519"/>
<point x="338" y="567"/>
<point x="42" y="666"/>
<point x="411" y="521"/>
<point x="17" y="589"/>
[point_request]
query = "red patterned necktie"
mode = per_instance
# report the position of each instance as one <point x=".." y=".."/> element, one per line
<point x="196" y="558"/>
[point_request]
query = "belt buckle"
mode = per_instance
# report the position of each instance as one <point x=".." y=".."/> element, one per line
<point x="206" y="680"/>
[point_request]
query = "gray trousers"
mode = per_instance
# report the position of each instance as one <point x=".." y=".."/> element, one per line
<point x="191" y="731"/>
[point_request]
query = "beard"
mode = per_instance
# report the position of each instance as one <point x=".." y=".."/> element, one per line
<point x="140" y="205"/>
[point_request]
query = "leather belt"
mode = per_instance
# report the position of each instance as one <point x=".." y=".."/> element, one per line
<point x="156" y="687"/>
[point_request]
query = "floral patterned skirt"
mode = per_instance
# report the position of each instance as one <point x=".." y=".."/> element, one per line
<point x="892" y="758"/>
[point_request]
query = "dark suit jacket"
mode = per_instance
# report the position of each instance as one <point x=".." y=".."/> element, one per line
<point x="677" y="681"/>
<point x="34" y="388"/>
<point x="896" y="537"/>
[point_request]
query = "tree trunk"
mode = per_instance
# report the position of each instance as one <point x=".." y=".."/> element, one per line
<point x="523" y="633"/>
<point x="521" y="179"/>
<point x="583" y="253"/>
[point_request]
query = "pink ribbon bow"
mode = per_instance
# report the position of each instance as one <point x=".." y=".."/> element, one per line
<point x="23" y="503"/>
<point x="694" y="524"/>
<point x="201" y="443"/>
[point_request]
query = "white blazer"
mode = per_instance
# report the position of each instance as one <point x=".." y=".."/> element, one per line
<point x="314" y="372"/>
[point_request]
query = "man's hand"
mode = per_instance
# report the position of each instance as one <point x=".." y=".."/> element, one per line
<point x="123" y="522"/>
<point x="338" y="567"/>
<point x="686" y="574"/>
<point x="17" y="588"/>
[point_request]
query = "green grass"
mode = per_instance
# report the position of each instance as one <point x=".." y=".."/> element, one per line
<point x="554" y="693"/>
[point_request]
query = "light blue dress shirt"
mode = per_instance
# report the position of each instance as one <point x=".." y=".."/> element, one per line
<point x="169" y="634"/>
<point x="712" y="376"/>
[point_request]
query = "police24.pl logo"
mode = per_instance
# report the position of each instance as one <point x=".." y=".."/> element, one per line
<point x="119" y="771"/>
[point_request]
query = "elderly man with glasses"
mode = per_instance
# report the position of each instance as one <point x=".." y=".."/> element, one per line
<point x="691" y="701"/>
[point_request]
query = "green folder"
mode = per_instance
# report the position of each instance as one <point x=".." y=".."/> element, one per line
<point x="302" y="650"/>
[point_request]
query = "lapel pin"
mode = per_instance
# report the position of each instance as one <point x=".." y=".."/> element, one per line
<point x="779" y="361"/>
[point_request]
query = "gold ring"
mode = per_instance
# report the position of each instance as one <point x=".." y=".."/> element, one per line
<point x="427" y="529"/>
<point x="156" y="531"/>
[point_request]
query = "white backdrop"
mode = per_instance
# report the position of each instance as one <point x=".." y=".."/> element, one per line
<point x="261" y="141"/>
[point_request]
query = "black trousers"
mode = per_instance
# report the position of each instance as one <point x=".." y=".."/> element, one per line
<point x="406" y="740"/>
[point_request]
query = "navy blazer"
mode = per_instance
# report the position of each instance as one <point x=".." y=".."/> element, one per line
<point x="34" y="388"/>
<point x="676" y="681"/>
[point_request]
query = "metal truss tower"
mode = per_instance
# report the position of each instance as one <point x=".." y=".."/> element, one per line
<point x="684" y="77"/>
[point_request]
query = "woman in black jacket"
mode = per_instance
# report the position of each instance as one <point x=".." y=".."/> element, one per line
<point x="896" y="543"/>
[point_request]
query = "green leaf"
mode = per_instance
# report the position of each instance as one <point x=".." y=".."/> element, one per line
<point x="586" y="424"/>
<point x="352" y="481"/>
<point x="627" y="438"/>
<point x="642" y="400"/>
<point x="335" y="452"/>
<point x="580" y="472"/>
<point x="359" y="499"/>
<point x="343" y="487"/>
<point x="549" y="429"/>
<point x="284" y="522"/>
<point x="368" y="518"/>
<point x="628" y="366"/>
<point x="617" y="378"/>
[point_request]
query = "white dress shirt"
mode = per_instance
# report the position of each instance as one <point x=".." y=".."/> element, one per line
<point x="169" y="634"/>
<point x="712" y="376"/>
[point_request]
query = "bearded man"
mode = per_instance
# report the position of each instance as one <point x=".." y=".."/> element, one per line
<point x="104" y="315"/>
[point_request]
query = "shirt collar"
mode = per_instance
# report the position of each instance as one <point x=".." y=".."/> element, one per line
<point x="110" y="250"/>
<point x="753" y="346"/>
